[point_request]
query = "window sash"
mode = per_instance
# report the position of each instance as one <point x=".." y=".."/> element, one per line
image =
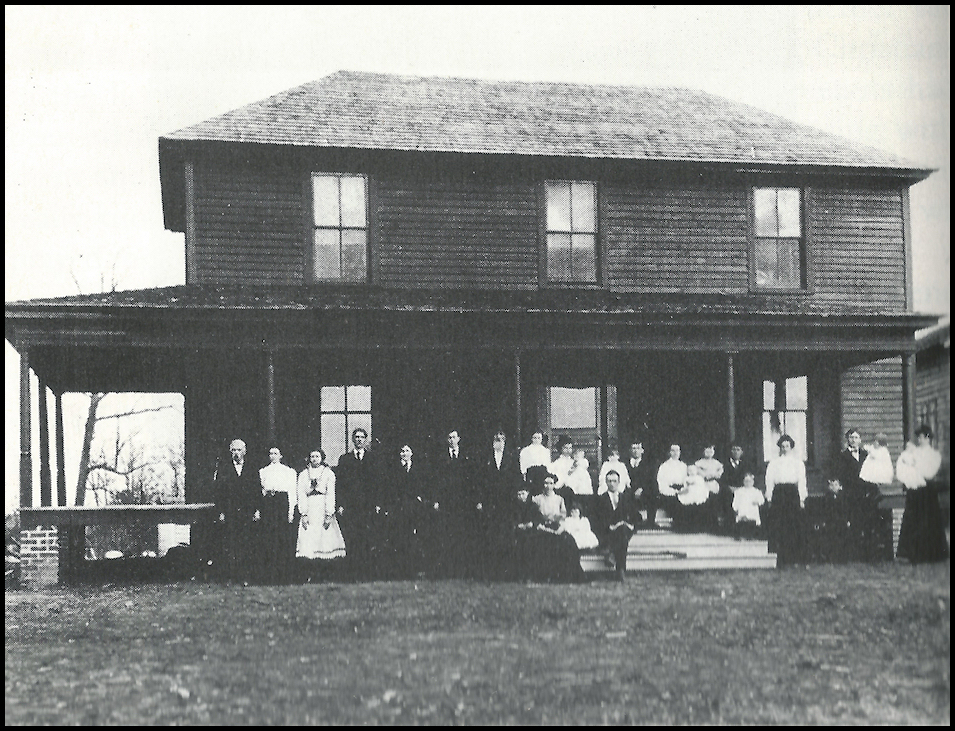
<point x="571" y="231"/>
<point x="340" y="227"/>
<point x="343" y="409"/>
<point x="779" y="257"/>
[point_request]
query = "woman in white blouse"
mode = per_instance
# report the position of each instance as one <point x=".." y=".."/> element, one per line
<point x="786" y="494"/>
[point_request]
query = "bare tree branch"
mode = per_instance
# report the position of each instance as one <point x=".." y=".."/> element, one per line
<point x="134" y="413"/>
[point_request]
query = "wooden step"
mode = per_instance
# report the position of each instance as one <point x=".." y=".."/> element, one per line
<point x="663" y="550"/>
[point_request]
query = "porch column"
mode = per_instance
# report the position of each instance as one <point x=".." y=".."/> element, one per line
<point x="908" y="396"/>
<point x="26" y="459"/>
<point x="60" y="454"/>
<point x="270" y="372"/>
<point x="517" y="394"/>
<point x="731" y="396"/>
<point x="46" y="479"/>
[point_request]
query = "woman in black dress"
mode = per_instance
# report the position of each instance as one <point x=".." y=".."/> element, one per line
<point x="922" y="536"/>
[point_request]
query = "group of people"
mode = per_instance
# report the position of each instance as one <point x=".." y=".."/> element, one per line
<point x="523" y="514"/>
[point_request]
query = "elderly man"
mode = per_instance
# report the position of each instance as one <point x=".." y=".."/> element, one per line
<point x="238" y="498"/>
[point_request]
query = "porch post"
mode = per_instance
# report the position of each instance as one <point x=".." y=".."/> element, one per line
<point x="46" y="479"/>
<point x="271" y="397"/>
<point x="731" y="396"/>
<point x="60" y="455"/>
<point x="908" y="396"/>
<point x="26" y="459"/>
<point x="517" y="394"/>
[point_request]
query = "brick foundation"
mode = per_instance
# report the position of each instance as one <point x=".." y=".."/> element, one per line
<point x="39" y="557"/>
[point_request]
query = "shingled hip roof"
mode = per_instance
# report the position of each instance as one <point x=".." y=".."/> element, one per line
<point x="386" y="112"/>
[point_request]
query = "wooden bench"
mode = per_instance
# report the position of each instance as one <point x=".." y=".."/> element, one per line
<point x="71" y="525"/>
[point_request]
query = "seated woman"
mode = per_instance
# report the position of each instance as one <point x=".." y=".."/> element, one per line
<point x="694" y="502"/>
<point x="549" y="553"/>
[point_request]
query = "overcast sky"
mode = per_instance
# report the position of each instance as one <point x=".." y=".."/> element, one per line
<point x="89" y="90"/>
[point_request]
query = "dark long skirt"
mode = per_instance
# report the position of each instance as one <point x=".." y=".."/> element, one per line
<point x="786" y="534"/>
<point x="922" y="536"/>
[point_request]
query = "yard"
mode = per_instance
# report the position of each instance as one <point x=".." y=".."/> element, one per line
<point x="853" y="644"/>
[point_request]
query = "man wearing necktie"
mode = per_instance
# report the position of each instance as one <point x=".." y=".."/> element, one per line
<point x="238" y="498"/>
<point x="457" y="521"/>
<point x="614" y="522"/>
<point x="734" y="471"/>
<point x="359" y="504"/>
<point x="643" y="484"/>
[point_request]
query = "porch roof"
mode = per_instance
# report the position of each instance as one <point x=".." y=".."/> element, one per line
<point x="197" y="299"/>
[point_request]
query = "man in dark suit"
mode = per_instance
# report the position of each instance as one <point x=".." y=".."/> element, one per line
<point x="356" y="492"/>
<point x="411" y="511"/>
<point x="499" y="476"/>
<point x="238" y="497"/>
<point x="615" y="518"/>
<point x="643" y="483"/>
<point x="735" y="469"/>
<point x="456" y="530"/>
<point x="860" y="498"/>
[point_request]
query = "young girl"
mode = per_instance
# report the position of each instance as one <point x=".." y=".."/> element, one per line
<point x="747" y="501"/>
<point x="319" y="536"/>
<point x="579" y="528"/>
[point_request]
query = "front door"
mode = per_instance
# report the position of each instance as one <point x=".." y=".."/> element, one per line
<point x="581" y="415"/>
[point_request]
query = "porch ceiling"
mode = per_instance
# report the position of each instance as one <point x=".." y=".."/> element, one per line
<point x="140" y="335"/>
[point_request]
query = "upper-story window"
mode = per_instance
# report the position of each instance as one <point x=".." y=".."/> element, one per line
<point x="571" y="231"/>
<point x="339" y="227"/>
<point x="780" y="256"/>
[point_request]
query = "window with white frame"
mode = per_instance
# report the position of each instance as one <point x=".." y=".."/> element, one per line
<point x="339" y="227"/>
<point x="785" y="411"/>
<point x="571" y="222"/>
<point x="779" y="248"/>
<point x="343" y="409"/>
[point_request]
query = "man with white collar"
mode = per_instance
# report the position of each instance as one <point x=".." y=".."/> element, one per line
<point x="238" y="498"/>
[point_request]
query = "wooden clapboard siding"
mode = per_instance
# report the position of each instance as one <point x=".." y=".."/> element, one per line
<point x="250" y="226"/>
<point x="457" y="234"/>
<point x="669" y="239"/>
<point x="858" y="251"/>
<point x="872" y="401"/>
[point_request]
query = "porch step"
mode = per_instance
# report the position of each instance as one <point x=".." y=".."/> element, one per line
<point x="662" y="550"/>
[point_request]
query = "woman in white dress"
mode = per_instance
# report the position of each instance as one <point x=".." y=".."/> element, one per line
<point x="319" y="536"/>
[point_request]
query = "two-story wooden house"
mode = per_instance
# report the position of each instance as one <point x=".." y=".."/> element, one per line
<point x="419" y="254"/>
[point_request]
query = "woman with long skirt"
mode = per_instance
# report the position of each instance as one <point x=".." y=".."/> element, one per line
<point x="922" y="536"/>
<point x="319" y="537"/>
<point x="786" y="493"/>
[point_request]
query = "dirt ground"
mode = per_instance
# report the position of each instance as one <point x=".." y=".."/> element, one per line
<point x="851" y="644"/>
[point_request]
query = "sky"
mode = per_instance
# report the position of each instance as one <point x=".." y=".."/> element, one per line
<point x="89" y="90"/>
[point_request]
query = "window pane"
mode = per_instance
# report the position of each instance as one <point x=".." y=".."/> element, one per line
<point x="582" y="207"/>
<point x="558" y="206"/>
<point x="573" y="408"/>
<point x="354" y="268"/>
<point x="788" y="212"/>
<point x="359" y="399"/>
<point x="333" y="398"/>
<point x="558" y="258"/>
<point x="583" y="258"/>
<point x="326" y="261"/>
<point x="353" y="201"/>
<point x="766" y="263"/>
<point x="771" y="434"/>
<point x="764" y="208"/>
<point x="333" y="437"/>
<point x="795" y="424"/>
<point x="797" y="398"/>
<point x="325" y="200"/>
<point x="769" y="396"/>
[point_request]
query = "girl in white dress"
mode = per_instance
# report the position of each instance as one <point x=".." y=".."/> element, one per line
<point x="319" y="536"/>
<point x="579" y="528"/>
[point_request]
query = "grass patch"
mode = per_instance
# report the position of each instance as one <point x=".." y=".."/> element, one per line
<point x="853" y="644"/>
